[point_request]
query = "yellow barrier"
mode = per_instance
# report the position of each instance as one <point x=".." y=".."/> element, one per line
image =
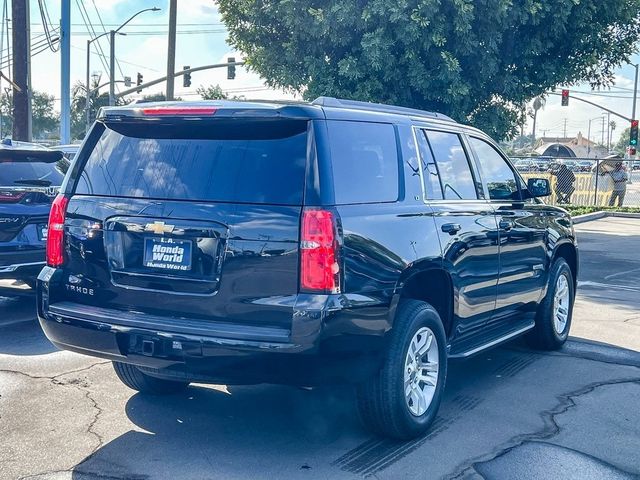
<point x="585" y="186"/>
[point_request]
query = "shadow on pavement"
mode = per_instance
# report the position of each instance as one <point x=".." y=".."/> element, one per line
<point x="283" y="432"/>
<point x="609" y="263"/>
<point x="24" y="338"/>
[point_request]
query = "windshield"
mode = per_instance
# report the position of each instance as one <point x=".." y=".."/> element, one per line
<point x="253" y="161"/>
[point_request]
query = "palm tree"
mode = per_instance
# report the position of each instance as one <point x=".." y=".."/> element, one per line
<point x="538" y="103"/>
<point x="612" y="127"/>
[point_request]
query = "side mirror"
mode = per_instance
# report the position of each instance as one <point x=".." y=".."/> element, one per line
<point x="538" y="187"/>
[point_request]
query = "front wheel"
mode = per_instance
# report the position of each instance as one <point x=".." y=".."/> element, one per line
<point x="553" y="319"/>
<point x="402" y="400"/>
<point x="133" y="378"/>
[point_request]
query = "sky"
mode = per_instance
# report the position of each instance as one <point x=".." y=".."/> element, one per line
<point x="201" y="40"/>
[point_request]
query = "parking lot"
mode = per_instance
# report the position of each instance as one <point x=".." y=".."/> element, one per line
<point x="507" y="413"/>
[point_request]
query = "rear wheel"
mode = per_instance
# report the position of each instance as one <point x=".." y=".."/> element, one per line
<point x="133" y="378"/>
<point x="402" y="400"/>
<point x="553" y="319"/>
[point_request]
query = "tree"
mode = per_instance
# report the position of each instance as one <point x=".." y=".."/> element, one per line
<point x="479" y="62"/>
<point x="211" y="92"/>
<point x="78" y="106"/>
<point x="45" y="120"/>
<point x="623" y="141"/>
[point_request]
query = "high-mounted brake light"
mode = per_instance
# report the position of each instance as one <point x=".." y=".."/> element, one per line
<point x="55" y="234"/>
<point x="319" y="268"/>
<point x="179" y="111"/>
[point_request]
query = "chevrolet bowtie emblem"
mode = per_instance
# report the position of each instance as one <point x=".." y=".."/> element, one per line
<point x="159" y="228"/>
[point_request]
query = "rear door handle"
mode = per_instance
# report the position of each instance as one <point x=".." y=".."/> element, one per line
<point x="451" y="228"/>
<point x="506" y="224"/>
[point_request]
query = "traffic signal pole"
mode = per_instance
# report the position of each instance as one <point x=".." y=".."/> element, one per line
<point x="176" y="74"/>
<point x="635" y="95"/>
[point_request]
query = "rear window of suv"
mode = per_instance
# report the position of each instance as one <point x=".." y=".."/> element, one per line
<point x="30" y="174"/>
<point x="243" y="161"/>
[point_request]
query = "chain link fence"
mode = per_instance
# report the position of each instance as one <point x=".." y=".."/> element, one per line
<point x="586" y="181"/>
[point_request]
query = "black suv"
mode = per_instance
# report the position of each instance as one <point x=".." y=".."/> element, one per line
<point x="30" y="178"/>
<point x="240" y="243"/>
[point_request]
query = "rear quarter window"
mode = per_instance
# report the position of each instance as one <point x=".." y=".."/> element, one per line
<point x="261" y="162"/>
<point x="364" y="159"/>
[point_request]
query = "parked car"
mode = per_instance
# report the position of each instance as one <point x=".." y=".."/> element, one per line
<point x="336" y="241"/>
<point x="584" y="166"/>
<point x="523" y="165"/>
<point x="30" y="178"/>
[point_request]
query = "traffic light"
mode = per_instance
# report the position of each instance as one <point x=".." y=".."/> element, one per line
<point x="186" y="78"/>
<point x="231" y="69"/>
<point x="633" y="134"/>
<point x="565" y="98"/>
<point x="139" y="81"/>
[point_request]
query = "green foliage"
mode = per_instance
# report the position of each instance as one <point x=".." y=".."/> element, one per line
<point x="211" y="92"/>
<point x="78" y="106"/>
<point x="156" y="97"/>
<point x="575" y="210"/>
<point x="623" y="141"/>
<point x="478" y="61"/>
<point x="45" y="120"/>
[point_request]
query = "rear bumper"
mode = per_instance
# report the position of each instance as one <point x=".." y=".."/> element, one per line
<point x="21" y="265"/>
<point x="330" y="340"/>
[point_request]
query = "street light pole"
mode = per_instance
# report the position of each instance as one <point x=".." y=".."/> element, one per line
<point x="87" y="104"/>
<point x="112" y="54"/>
<point x="112" y="67"/>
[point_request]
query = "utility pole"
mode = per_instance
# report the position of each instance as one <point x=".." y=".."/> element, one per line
<point x="20" y="31"/>
<point x="171" y="52"/>
<point x="565" y="128"/>
<point x="602" y="139"/>
<point x="608" y="132"/>
<point x="65" y="75"/>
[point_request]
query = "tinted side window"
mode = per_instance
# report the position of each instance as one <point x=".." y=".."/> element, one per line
<point x="432" y="185"/>
<point x="453" y="165"/>
<point x="496" y="172"/>
<point x="364" y="159"/>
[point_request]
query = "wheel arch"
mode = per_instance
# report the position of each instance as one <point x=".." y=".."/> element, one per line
<point x="433" y="284"/>
<point x="569" y="252"/>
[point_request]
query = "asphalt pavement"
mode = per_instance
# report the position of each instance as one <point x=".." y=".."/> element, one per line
<point x="508" y="413"/>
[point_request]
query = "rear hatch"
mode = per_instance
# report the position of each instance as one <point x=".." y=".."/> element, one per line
<point x="30" y="177"/>
<point x="192" y="217"/>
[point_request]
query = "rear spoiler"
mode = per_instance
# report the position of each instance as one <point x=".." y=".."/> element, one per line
<point x="27" y="155"/>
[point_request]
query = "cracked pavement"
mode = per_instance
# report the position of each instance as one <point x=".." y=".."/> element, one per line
<point x="508" y="413"/>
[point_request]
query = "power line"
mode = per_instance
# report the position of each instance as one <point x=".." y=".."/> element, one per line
<point x="105" y="31"/>
<point x="46" y="22"/>
<point x="122" y="61"/>
<point x="87" y="23"/>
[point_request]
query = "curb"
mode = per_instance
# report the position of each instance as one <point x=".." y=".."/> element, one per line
<point x="588" y="217"/>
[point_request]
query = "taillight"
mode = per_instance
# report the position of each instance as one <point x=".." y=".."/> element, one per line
<point x="319" y="268"/>
<point x="55" y="234"/>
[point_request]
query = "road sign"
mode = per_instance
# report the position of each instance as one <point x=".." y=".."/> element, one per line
<point x="127" y="81"/>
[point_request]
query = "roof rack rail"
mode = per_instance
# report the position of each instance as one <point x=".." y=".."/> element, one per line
<point x="376" y="107"/>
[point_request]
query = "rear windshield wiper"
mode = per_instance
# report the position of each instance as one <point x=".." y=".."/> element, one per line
<point x="35" y="182"/>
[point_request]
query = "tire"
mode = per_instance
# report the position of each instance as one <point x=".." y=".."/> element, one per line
<point x="383" y="405"/>
<point x="133" y="378"/>
<point x="550" y="333"/>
